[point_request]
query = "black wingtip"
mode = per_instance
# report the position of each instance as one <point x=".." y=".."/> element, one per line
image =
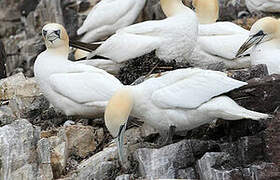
<point x="83" y="46"/>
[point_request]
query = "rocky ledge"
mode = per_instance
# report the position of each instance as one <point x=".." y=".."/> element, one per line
<point x="39" y="142"/>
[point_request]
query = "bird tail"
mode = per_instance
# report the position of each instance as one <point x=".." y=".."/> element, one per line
<point x="226" y="108"/>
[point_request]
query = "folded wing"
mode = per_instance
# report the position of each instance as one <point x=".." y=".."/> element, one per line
<point x="85" y="87"/>
<point x="198" y="87"/>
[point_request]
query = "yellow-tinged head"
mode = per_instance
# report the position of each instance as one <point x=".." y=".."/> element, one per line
<point x="263" y="30"/>
<point x="118" y="110"/>
<point x="270" y="26"/>
<point x="116" y="115"/>
<point x="207" y="11"/>
<point x="55" y="36"/>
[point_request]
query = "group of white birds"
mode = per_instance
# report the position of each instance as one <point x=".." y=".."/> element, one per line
<point x="184" y="98"/>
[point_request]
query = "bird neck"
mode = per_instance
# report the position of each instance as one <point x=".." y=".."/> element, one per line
<point x="173" y="7"/>
<point x="62" y="50"/>
<point x="118" y="110"/>
<point x="207" y="11"/>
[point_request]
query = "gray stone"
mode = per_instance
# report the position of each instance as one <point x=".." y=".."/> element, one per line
<point x="18" y="85"/>
<point x="168" y="161"/>
<point x="3" y="57"/>
<point x="250" y="149"/>
<point x="217" y="166"/>
<point x="124" y="177"/>
<point x="6" y="115"/>
<point x="102" y="166"/>
<point x="44" y="153"/>
<point x="229" y="9"/>
<point x="46" y="11"/>
<point x="18" y="153"/>
<point x="272" y="140"/>
<point x="189" y="173"/>
<point x="262" y="171"/>
<point x="9" y="17"/>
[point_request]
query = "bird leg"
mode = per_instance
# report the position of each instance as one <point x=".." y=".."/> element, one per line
<point x="165" y="140"/>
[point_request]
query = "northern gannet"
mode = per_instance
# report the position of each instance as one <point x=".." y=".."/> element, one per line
<point x="265" y="39"/>
<point x="173" y="38"/>
<point x="183" y="98"/>
<point x="74" y="88"/>
<point x="218" y="42"/>
<point x="107" y="16"/>
<point x="263" y="6"/>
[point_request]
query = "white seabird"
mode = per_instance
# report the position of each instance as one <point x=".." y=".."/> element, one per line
<point x="265" y="39"/>
<point x="173" y="38"/>
<point x="107" y="16"/>
<point x="74" y="88"/>
<point x="183" y="98"/>
<point x="218" y="42"/>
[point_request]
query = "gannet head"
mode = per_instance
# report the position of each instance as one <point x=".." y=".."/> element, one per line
<point x="116" y="116"/>
<point x="55" y="35"/>
<point x="207" y="11"/>
<point x="263" y="30"/>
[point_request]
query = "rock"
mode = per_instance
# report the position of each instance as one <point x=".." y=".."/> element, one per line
<point x="152" y="11"/>
<point x="250" y="149"/>
<point x="143" y="65"/>
<point x="46" y="11"/>
<point x="103" y="165"/>
<point x="6" y="115"/>
<point x="9" y="17"/>
<point x="18" y="85"/>
<point x="71" y="18"/>
<point x="262" y="171"/>
<point x="44" y="153"/>
<point x="218" y="166"/>
<point x="272" y="141"/>
<point x="261" y="94"/>
<point x="59" y="154"/>
<point x="2" y="61"/>
<point x="263" y="6"/>
<point x="229" y="9"/>
<point x="26" y="6"/>
<point x="19" y="158"/>
<point x="82" y="140"/>
<point x="258" y="71"/>
<point x="124" y="177"/>
<point x="14" y="58"/>
<point x="166" y="162"/>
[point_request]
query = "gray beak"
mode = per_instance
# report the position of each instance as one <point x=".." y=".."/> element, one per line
<point x="251" y="41"/>
<point x="120" y="142"/>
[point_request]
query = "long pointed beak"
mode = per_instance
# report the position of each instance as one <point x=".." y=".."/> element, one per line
<point x="251" y="41"/>
<point x="120" y="142"/>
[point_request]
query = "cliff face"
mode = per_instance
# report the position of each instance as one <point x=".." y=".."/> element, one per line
<point x="39" y="142"/>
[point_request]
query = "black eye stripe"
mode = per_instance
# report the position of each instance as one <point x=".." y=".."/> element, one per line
<point x="44" y="33"/>
<point x="260" y="33"/>
<point x="57" y="32"/>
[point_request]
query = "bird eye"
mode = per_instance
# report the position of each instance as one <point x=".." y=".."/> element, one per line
<point x="260" y="33"/>
<point x="44" y="33"/>
<point x="57" y="32"/>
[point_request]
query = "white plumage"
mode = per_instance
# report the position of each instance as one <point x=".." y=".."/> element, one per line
<point x="187" y="98"/>
<point x="74" y="88"/>
<point x="265" y="39"/>
<point x="184" y="98"/>
<point x="218" y="42"/>
<point x="108" y="16"/>
<point x="172" y="38"/>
